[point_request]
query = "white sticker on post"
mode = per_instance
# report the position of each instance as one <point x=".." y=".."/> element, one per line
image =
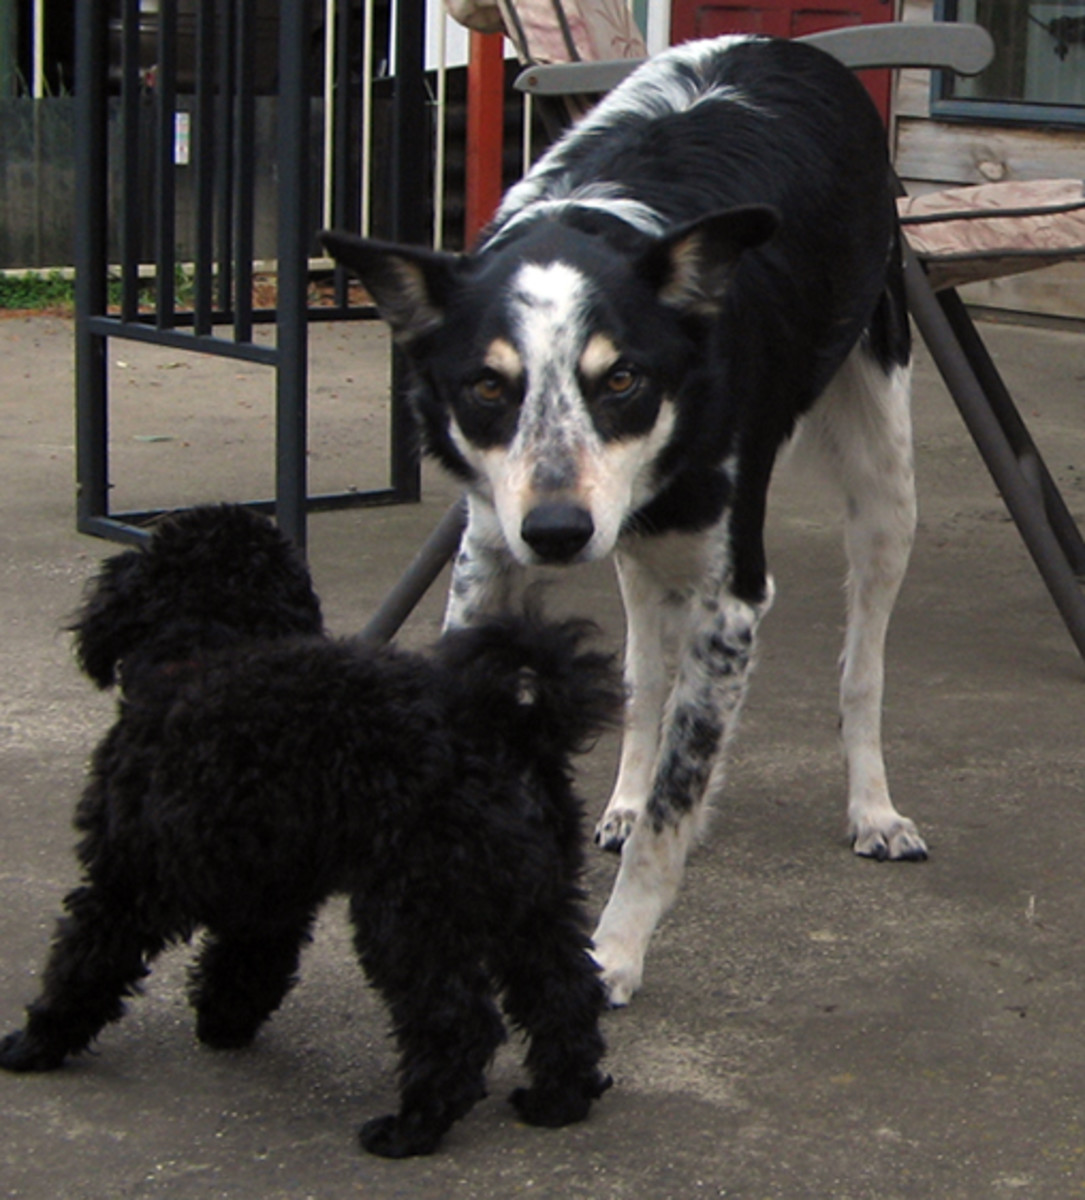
<point x="182" y="138"/>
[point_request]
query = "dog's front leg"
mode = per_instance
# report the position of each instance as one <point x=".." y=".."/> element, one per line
<point x="483" y="572"/>
<point x="702" y="713"/>
<point x="644" y="599"/>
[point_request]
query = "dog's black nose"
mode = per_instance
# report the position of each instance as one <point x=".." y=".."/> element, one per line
<point x="557" y="530"/>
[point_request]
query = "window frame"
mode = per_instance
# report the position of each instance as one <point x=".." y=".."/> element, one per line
<point x="944" y="106"/>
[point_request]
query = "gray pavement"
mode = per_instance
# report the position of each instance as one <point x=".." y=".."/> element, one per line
<point x="811" y="1025"/>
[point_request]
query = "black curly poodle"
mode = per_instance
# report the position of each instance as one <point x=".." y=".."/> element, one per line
<point x="257" y="767"/>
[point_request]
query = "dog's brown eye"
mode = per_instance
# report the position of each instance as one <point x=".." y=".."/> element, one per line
<point x="621" y="382"/>
<point x="488" y="389"/>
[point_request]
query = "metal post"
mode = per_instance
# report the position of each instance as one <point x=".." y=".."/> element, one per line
<point x="292" y="331"/>
<point x="409" y="223"/>
<point x="165" y="178"/>
<point x="91" y="434"/>
<point x="485" y="131"/>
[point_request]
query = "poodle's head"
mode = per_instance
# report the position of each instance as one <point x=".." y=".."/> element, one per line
<point x="208" y="577"/>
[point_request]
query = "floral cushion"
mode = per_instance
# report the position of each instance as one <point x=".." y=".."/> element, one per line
<point x="963" y="235"/>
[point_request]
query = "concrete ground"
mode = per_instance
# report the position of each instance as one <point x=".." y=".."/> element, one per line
<point x="811" y="1025"/>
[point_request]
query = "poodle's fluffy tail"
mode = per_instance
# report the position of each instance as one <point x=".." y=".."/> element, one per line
<point x="522" y="676"/>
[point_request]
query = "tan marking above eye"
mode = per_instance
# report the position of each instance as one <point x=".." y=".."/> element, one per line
<point x="598" y="357"/>
<point x="503" y="358"/>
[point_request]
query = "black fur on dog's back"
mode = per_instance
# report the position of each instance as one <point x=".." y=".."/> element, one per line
<point x="209" y="577"/>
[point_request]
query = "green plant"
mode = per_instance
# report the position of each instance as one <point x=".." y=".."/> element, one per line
<point x="36" y="290"/>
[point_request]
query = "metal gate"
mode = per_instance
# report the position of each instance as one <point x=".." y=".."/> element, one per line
<point x="213" y="50"/>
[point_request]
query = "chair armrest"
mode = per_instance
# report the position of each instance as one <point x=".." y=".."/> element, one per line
<point x="953" y="46"/>
<point x="573" y="79"/>
<point x="949" y="45"/>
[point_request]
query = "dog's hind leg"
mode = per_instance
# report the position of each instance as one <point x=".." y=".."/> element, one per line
<point x="239" y="980"/>
<point x="100" y="953"/>
<point x="553" y="992"/>
<point x="446" y="1023"/>
<point x="862" y="430"/>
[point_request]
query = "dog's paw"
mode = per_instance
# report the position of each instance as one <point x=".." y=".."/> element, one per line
<point x="392" y="1137"/>
<point x="551" y="1108"/>
<point x="19" y="1051"/>
<point x="614" y="828"/>
<point x="218" y="1032"/>
<point x="621" y="976"/>
<point x="899" y="840"/>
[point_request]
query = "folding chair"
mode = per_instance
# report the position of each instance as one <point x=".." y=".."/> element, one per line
<point x="932" y="271"/>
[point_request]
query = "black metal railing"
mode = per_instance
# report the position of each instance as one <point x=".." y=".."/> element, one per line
<point x="121" y="215"/>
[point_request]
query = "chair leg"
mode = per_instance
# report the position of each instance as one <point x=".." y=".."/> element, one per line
<point x="1023" y="498"/>
<point x="1002" y="405"/>
<point x="437" y="550"/>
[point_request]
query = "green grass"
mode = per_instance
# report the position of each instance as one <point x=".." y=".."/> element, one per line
<point x="35" y="290"/>
<point x="38" y="291"/>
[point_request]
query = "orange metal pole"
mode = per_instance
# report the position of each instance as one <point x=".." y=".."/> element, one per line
<point x="485" y="130"/>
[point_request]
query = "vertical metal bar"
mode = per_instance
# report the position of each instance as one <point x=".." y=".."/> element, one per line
<point x="342" y="214"/>
<point x="293" y="245"/>
<point x="366" y="181"/>
<point x="485" y="131"/>
<point x="131" y="208"/>
<point x="91" y="162"/>
<point x="440" y="112"/>
<point x="224" y="155"/>
<point x="38" y="51"/>
<point x="244" y="212"/>
<point x="165" y="191"/>
<point x="409" y="224"/>
<point x="204" y="150"/>
<point x="331" y="113"/>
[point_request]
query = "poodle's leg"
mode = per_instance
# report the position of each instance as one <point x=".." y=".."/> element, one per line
<point x="447" y="1028"/>
<point x="239" y="981"/>
<point x="100" y="953"/>
<point x="553" y="992"/>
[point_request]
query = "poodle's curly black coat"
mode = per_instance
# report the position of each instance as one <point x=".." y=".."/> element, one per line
<point x="257" y="767"/>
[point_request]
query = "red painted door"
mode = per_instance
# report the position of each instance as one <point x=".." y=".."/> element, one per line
<point x="783" y="18"/>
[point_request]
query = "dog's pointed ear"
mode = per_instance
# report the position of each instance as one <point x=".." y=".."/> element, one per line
<point x="410" y="285"/>
<point x="691" y="269"/>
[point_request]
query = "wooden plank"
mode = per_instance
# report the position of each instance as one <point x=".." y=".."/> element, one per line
<point x="1054" y="291"/>
<point x="939" y="152"/>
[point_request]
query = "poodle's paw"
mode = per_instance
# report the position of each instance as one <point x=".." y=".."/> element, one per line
<point x="20" y="1051"/>
<point x="218" y="1032"/>
<point x="394" y="1137"/>
<point x="898" y="839"/>
<point x="614" y="828"/>
<point x="552" y="1107"/>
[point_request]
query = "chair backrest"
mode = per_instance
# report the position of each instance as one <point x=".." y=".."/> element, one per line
<point x="563" y="31"/>
<point x="571" y="31"/>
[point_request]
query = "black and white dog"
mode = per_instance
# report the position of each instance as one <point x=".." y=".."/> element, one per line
<point x="706" y="265"/>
